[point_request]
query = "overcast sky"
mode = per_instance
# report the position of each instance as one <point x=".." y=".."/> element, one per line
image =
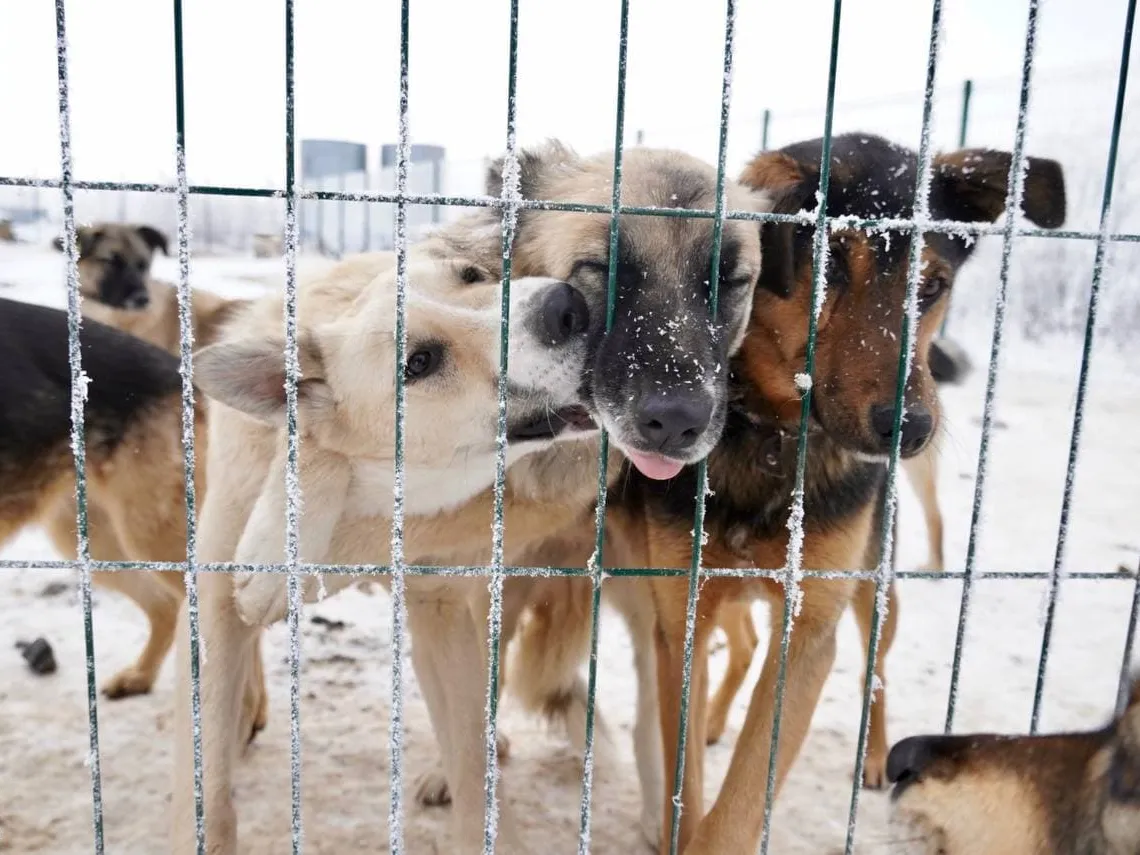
<point x="347" y="61"/>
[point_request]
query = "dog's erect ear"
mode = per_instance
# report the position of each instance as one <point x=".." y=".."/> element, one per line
<point x="535" y="166"/>
<point x="84" y="241"/>
<point x="972" y="185"/>
<point x="153" y="238"/>
<point x="791" y="186"/>
<point x="250" y="376"/>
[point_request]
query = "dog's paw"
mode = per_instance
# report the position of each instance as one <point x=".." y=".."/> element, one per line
<point x="874" y="773"/>
<point x="128" y="683"/>
<point x="432" y="789"/>
<point x="261" y="599"/>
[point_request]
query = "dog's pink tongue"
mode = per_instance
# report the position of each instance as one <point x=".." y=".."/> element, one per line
<point x="654" y="465"/>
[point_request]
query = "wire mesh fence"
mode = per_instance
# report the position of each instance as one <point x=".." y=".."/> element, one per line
<point x="511" y="203"/>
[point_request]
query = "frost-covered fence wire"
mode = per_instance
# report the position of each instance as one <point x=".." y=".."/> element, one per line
<point x="510" y="203"/>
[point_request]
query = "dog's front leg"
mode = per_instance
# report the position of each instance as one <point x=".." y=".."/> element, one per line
<point x="670" y="636"/>
<point x="324" y="477"/>
<point x="227" y="649"/>
<point x="633" y="599"/>
<point x="449" y="655"/>
<point x="736" y="820"/>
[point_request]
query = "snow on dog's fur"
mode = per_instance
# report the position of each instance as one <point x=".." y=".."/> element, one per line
<point x="346" y="397"/>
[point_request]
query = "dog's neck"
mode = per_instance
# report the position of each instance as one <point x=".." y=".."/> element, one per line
<point x="427" y="489"/>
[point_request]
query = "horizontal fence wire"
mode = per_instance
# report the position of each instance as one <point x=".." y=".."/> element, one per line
<point x="78" y="398"/>
<point x="870" y="224"/>
<point x="1083" y="381"/>
<point x="510" y="203"/>
<point x="884" y="576"/>
<point x="368" y="570"/>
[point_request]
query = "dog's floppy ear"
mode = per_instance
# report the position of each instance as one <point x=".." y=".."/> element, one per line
<point x="790" y="185"/>
<point x="249" y="376"/>
<point x="535" y="166"/>
<point x="153" y="238"/>
<point x="972" y="185"/>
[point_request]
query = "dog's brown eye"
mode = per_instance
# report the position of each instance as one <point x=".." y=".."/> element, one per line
<point x="471" y="274"/>
<point x="424" y="361"/>
<point x="932" y="289"/>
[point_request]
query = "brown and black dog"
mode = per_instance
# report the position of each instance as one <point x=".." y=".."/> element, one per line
<point x="752" y="469"/>
<point x="984" y="794"/>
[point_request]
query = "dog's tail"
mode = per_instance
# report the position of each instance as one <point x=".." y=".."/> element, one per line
<point x="948" y="361"/>
<point x="552" y="642"/>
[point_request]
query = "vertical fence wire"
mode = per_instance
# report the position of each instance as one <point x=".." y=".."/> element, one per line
<point x="1086" y="358"/>
<point x="884" y="575"/>
<point x="78" y="398"/>
<point x="399" y="604"/>
<point x="793" y="568"/>
<point x="963" y="131"/>
<point x="1014" y="192"/>
<point x="598" y="560"/>
<point x="702" y="468"/>
<point x="293" y="496"/>
<point x="1129" y="640"/>
<point x="186" y="369"/>
<point x="510" y="203"/>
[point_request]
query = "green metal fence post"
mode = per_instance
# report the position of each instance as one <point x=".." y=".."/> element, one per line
<point x="963" y="128"/>
<point x="793" y="567"/>
<point x="398" y="592"/>
<point x="1012" y="205"/>
<point x="597" y="562"/>
<point x="186" y="369"/>
<point x="1086" y="358"/>
<point x="702" y="468"/>
<point x="78" y="395"/>
<point x="964" y="123"/>
<point x="509" y="201"/>
<point x="884" y="574"/>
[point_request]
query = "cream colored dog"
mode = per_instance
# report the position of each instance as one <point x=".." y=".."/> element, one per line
<point x="346" y="398"/>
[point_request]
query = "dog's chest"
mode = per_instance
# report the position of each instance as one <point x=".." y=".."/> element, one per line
<point x="426" y="490"/>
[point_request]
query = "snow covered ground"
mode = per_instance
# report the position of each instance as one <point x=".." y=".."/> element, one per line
<point x="45" y="792"/>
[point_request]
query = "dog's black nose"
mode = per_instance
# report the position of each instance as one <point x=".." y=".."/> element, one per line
<point x="910" y="756"/>
<point x="137" y="300"/>
<point x="917" y="425"/>
<point x="673" y="423"/>
<point x="565" y="313"/>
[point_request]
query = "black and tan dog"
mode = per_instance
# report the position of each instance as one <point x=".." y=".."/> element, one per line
<point x="118" y="290"/>
<point x="985" y="794"/>
<point x="135" y="482"/>
<point x="751" y="471"/>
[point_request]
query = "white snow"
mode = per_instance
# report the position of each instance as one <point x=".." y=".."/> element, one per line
<point x="45" y="790"/>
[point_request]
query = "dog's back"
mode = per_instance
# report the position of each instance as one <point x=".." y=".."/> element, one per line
<point x="127" y="377"/>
